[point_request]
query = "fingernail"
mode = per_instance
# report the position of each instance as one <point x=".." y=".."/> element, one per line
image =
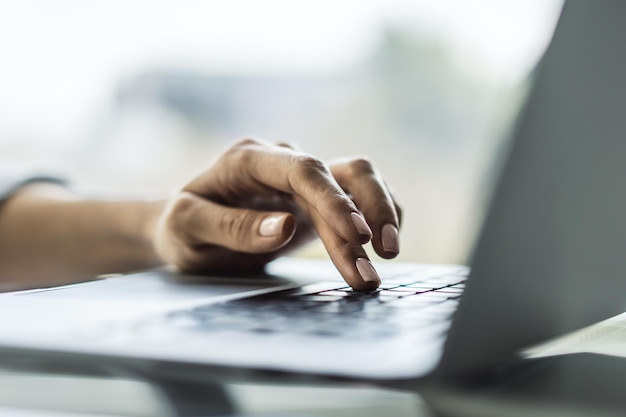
<point x="272" y="225"/>
<point x="391" y="241"/>
<point x="361" y="225"/>
<point x="367" y="271"/>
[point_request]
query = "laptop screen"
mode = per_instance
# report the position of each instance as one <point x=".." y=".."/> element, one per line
<point x="551" y="256"/>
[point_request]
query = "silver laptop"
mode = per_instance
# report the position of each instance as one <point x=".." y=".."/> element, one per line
<point x="551" y="258"/>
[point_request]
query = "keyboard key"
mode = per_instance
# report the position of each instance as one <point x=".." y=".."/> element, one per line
<point x="403" y="290"/>
<point x="447" y="280"/>
<point x="422" y="286"/>
<point x="335" y="293"/>
<point x="321" y="298"/>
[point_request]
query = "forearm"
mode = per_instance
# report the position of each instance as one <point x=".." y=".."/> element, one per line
<point x="49" y="237"/>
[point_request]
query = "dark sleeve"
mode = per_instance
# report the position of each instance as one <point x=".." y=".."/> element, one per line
<point x="12" y="180"/>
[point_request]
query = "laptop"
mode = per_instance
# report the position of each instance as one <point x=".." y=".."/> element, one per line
<point x="551" y="258"/>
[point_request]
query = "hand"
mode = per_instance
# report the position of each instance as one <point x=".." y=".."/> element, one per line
<point x="259" y="201"/>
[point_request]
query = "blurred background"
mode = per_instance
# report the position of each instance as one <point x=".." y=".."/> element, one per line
<point x="135" y="97"/>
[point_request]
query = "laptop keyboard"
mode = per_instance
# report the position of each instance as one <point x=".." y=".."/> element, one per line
<point x="334" y="310"/>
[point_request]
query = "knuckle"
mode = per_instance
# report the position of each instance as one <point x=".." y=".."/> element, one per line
<point x="247" y="155"/>
<point x="244" y="142"/>
<point x="288" y="145"/>
<point x="361" y="166"/>
<point x="243" y="151"/>
<point x="235" y="226"/>
<point x="315" y="178"/>
<point x="309" y="166"/>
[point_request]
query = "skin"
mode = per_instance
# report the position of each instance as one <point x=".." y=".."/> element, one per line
<point x="256" y="202"/>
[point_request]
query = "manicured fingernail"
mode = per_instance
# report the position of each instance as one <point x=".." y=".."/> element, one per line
<point x="367" y="271"/>
<point x="391" y="241"/>
<point x="272" y="225"/>
<point x="361" y="225"/>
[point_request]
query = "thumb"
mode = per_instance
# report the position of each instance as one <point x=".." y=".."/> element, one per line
<point x="238" y="229"/>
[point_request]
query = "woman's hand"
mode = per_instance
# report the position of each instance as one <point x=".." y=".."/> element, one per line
<point x="259" y="201"/>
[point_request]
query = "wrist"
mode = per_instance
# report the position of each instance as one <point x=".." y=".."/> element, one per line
<point x="151" y="214"/>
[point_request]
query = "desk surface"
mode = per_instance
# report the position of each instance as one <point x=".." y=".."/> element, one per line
<point x="45" y="395"/>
